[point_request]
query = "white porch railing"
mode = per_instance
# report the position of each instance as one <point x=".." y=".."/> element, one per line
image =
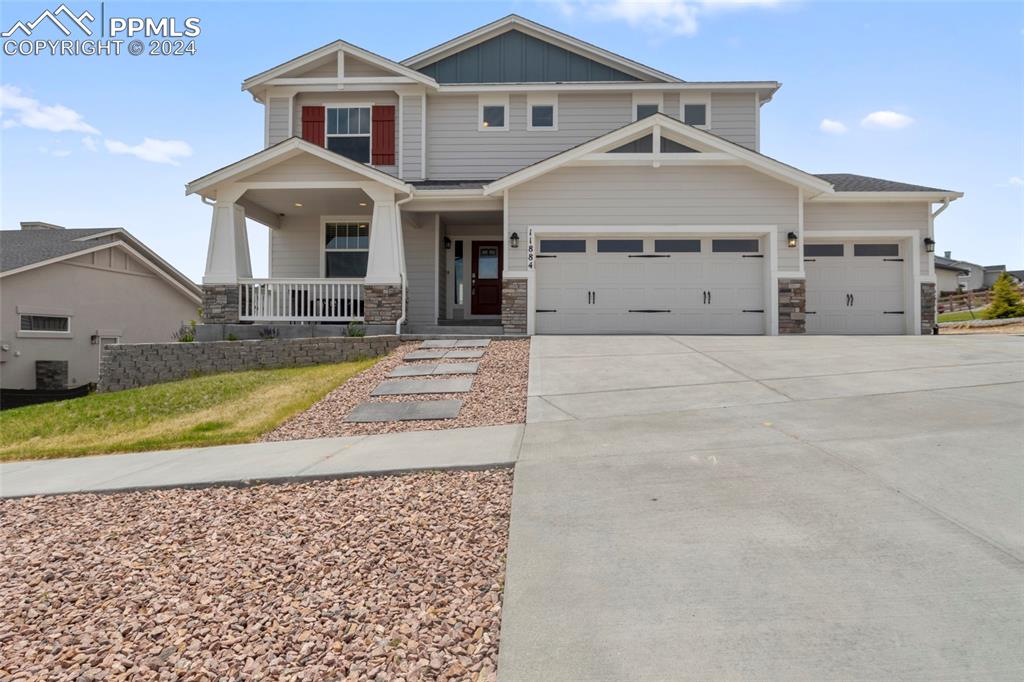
<point x="300" y="300"/>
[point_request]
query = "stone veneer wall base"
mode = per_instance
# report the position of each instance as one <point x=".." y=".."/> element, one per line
<point x="792" y="306"/>
<point x="220" y="303"/>
<point x="132" y="365"/>
<point x="928" y="308"/>
<point x="382" y="303"/>
<point x="513" y="305"/>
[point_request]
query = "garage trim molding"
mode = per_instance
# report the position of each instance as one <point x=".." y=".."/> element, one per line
<point x="912" y="242"/>
<point x="769" y="232"/>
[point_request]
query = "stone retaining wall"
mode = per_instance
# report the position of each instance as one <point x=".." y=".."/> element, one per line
<point x="792" y="306"/>
<point x="513" y="305"/>
<point x="141" y="364"/>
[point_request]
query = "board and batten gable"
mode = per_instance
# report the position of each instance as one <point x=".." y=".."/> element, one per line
<point x="883" y="216"/>
<point x="650" y="197"/>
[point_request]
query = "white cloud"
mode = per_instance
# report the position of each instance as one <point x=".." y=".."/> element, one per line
<point x="155" y="151"/>
<point x="674" y="17"/>
<point x="827" y="125"/>
<point x="888" y="120"/>
<point x="59" y="153"/>
<point x="1015" y="181"/>
<point x="89" y="143"/>
<point x="19" y="109"/>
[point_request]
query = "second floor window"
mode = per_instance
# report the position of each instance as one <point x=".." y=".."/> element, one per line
<point x="348" y="132"/>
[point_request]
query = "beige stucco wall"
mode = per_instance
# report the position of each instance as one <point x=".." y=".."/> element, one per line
<point x="103" y="291"/>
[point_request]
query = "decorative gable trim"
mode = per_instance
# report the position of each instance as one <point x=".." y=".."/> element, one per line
<point x="549" y="35"/>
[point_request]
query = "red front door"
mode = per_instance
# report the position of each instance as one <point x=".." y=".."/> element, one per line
<point x="485" y="297"/>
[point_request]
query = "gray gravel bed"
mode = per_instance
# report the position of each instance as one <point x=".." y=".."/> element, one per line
<point x="383" y="578"/>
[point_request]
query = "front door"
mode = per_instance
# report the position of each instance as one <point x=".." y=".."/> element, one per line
<point x="485" y="296"/>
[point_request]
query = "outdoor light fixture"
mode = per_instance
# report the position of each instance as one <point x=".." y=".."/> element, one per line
<point x="447" y="243"/>
<point x="513" y="240"/>
<point x="929" y="245"/>
<point x="362" y="203"/>
<point x="792" y="239"/>
<point x="298" y="205"/>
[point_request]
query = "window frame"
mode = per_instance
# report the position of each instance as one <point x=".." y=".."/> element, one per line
<point x="491" y="101"/>
<point x="639" y="98"/>
<point x="23" y="311"/>
<point x="325" y="220"/>
<point x="369" y="135"/>
<point x="696" y="98"/>
<point x="542" y="100"/>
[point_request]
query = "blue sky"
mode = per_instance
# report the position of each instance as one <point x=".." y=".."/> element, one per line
<point x="945" y="82"/>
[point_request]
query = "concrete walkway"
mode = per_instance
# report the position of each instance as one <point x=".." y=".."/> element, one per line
<point x="282" y="461"/>
<point x="768" y="508"/>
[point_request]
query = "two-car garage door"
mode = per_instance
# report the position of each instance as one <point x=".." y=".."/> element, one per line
<point x="650" y="285"/>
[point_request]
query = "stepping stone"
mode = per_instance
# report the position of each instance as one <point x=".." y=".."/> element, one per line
<point x="407" y="411"/>
<point x="427" y="369"/>
<point x="420" y="386"/>
<point x="438" y="343"/>
<point x="472" y="343"/>
<point x="424" y="355"/>
<point x="463" y="354"/>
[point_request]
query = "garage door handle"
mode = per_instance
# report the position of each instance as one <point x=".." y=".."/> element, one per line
<point x="753" y="255"/>
<point x="753" y="311"/>
<point x="892" y="260"/>
<point x="810" y="260"/>
<point x="811" y="312"/>
<point x="892" y="312"/>
<point x="649" y="255"/>
<point x="650" y="311"/>
<point x="546" y="311"/>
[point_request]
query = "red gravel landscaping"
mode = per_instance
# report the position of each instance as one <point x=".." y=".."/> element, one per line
<point x="498" y="396"/>
<point x="359" y="579"/>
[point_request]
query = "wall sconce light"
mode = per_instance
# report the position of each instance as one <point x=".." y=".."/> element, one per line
<point x="929" y="245"/>
<point x="447" y="243"/>
<point x="791" y="239"/>
<point x="513" y="240"/>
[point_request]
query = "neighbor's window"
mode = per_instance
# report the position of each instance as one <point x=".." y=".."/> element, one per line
<point x="45" y="323"/>
<point x="458" y="271"/>
<point x="346" y="249"/>
<point x="348" y="132"/>
<point x="695" y="114"/>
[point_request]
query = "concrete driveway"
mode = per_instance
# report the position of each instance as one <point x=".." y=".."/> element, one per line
<point x="802" y="508"/>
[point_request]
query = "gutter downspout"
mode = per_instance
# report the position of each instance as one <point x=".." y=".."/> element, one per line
<point x="401" y="259"/>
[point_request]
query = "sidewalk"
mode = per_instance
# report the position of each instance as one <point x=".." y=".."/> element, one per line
<point x="481" y="447"/>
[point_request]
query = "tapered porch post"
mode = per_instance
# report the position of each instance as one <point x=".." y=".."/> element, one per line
<point x="227" y="258"/>
<point x="382" y="293"/>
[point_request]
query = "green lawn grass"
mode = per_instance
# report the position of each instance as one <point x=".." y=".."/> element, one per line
<point x="211" y="410"/>
<point x="960" y="316"/>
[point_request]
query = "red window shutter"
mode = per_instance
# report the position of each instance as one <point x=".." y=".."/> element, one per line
<point x="383" y="135"/>
<point x="313" y="125"/>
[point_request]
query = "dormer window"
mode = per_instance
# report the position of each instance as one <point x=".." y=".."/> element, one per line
<point x="493" y="112"/>
<point x="348" y="132"/>
<point x="542" y="112"/>
<point x="695" y="109"/>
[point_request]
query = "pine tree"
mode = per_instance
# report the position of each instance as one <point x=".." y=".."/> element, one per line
<point x="1006" y="300"/>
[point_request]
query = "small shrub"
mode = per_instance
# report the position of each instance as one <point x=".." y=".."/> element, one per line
<point x="186" y="333"/>
<point x="268" y="333"/>
<point x="1006" y="300"/>
<point x="355" y="329"/>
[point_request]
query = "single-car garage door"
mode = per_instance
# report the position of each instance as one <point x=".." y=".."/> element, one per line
<point x="855" y="287"/>
<point x="650" y="285"/>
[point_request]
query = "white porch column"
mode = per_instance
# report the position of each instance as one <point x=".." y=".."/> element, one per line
<point x="384" y="264"/>
<point x="227" y="257"/>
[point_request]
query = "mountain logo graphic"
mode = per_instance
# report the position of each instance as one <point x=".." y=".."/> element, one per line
<point x="76" y="20"/>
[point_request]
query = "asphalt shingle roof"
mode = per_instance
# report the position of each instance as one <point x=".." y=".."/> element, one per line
<point x="19" y="248"/>
<point x="949" y="264"/>
<point x="848" y="182"/>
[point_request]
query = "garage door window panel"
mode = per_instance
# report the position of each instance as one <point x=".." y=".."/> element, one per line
<point x="735" y="245"/>
<point x="824" y="250"/>
<point x="620" y="245"/>
<point x="677" y="245"/>
<point x="876" y="250"/>
<point x="563" y="246"/>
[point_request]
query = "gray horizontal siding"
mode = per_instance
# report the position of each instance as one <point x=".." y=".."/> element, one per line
<point x="602" y="196"/>
<point x="412" y="137"/>
<point x="420" y="253"/>
<point x="863" y="216"/>
<point x="295" y="247"/>
<point x="734" y="117"/>
<point x="277" y="120"/>
<point x="357" y="68"/>
<point x="457" y="150"/>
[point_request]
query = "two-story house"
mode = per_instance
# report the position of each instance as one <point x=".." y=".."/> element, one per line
<point x="518" y="176"/>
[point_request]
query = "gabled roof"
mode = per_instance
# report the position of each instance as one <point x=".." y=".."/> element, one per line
<point x="690" y="134"/>
<point x="287" y="149"/>
<point x="22" y="250"/>
<point x="333" y="48"/>
<point x="948" y="264"/>
<point x="532" y="28"/>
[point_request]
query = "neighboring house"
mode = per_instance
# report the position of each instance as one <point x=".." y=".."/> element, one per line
<point x="517" y="176"/>
<point x="951" y="276"/>
<point x="978" y="277"/>
<point x="65" y="293"/>
<point x="1017" y="275"/>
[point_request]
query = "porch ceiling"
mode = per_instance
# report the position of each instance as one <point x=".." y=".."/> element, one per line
<point x="314" y="202"/>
